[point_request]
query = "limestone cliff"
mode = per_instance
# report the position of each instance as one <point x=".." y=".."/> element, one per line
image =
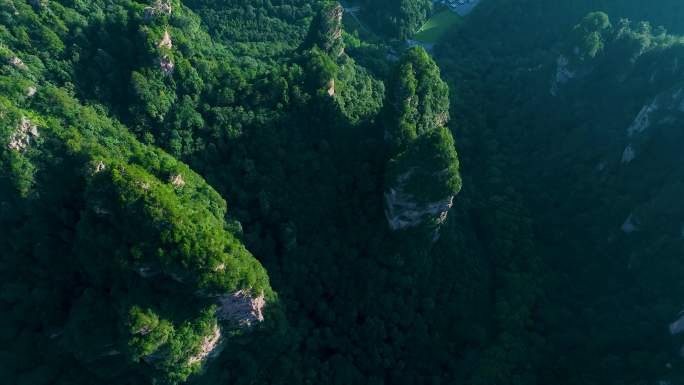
<point x="585" y="43"/>
<point x="326" y="30"/>
<point x="422" y="177"/>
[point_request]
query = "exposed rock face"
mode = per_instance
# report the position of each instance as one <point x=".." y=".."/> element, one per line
<point x="177" y="180"/>
<point x="403" y="212"/>
<point x="664" y="108"/>
<point x="563" y="74"/>
<point x="569" y="67"/>
<point x="422" y="177"/>
<point x="241" y="308"/>
<point x="210" y="344"/>
<point x="628" y="155"/>
<point x="580" y="49"/>
<point x="643" y="120"/>
<point x="159" y="8"/>
<point x="333" y="30"/>
<point x="331" y="88"/>
<point x="99" y="167"/>
<point x="165" y="42"/>
<point x="677" y="326"/>
<point x="422" y="182"/>
<point x="17" y="63"/>
<point x="146" y="272"/>
<point x="21" y="138"/>
<point x="166" y="65"/>
<point x="326" y="30"/>
<point x="667" y="107"/>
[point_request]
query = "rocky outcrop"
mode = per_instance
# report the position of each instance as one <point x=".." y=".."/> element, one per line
<point x="666" y="108"/>
<point x="177" y="181"/>
<point x="332" y="30"/>
<point x="99" y="167"/>
<point x="677" y="326"/>
<point x="422" y="177"/>
<point x="569" y="67"/>
<point x="563" y="74"/>
<point x="581" y="48"/>
<point x="146" y="272"/>
<point x="209" y="347"/>
<point x="21" y="138"/>
<point x="17" y="63"/>
<point x="326" y="30"/>
<point x="422" y="182"/>
<point x="166" y="65"/>
<point x="643" y="119"/>
<point x="628" y="155"/>
<point x="403" y="211"/>
<point x="165" y="42"/>
<point x="241" y="308"/>
<point x="331" y="88"/>
<point x="159" y="8"/>
<point x="165" y="61"/>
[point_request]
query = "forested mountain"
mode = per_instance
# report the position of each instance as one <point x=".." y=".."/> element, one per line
<point x="589" y="117"/>
<point x="275" y="192"/>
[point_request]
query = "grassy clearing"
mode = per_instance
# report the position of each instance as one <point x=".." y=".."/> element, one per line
<point x="437" y="26"/>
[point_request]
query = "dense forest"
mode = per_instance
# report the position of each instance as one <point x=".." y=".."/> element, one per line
<point x="286" y="192"/>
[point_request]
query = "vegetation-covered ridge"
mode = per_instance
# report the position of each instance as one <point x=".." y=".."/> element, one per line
<point x="123" y="265"/>
<point x="422" y="175"/>
<point x="587" y="117"/>
<point x="94" y="215"/>
<point x="253" y="192"/>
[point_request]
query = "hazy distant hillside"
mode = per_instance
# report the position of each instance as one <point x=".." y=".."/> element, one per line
<point x="590" y="123"/>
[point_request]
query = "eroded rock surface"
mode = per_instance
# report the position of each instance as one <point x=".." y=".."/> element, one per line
<point x="403" y="211"/>
<point x="159" y="8"/>
<point x="563" y="74"/>
<point x="177" y="180"/>
<point x="241" y="308"/>
<point x="166" y="65"/>
<point x="100" y="166"/>
<point x="628" y="154"/>
<point x="677" y="326"/>
<point x="331" y="88"/>
<point x="326" y="30"/>
<point x="422" y="177"/>
<point x="209" y="346"/>
<point x="17" y="63"/>
<point x="165" y="42"/>
<point x="21" y="138"/>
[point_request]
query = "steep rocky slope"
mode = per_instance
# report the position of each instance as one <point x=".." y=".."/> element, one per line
<point x="422" y="176"/>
